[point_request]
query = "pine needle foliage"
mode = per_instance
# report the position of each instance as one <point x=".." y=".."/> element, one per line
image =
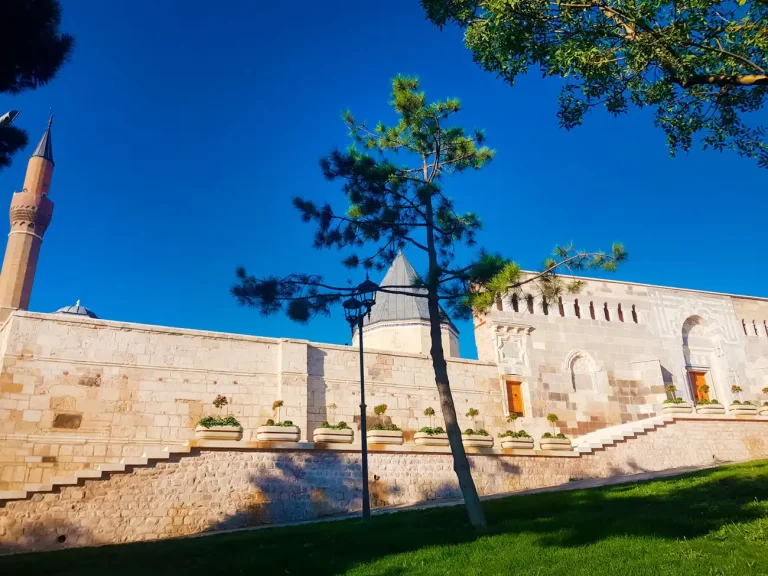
<point x="32" y="50"/>
<point x="392" y="178"/>
<point x="699" y="64"/>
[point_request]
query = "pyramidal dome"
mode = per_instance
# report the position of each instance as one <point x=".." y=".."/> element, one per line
<point x="400" y="322"/>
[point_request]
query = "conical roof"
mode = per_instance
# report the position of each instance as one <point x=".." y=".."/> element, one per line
<point x="45" y="147"/>
<point x="400" y="307"/>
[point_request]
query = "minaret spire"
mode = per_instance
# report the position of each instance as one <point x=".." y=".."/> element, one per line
<point x="30" y="213"/>
<point x="45" y="146"/>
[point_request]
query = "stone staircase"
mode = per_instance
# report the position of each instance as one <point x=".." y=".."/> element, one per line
<point x="98" y="472"/>
<point x="609" y="436"/>
<point x="583" y="445"/>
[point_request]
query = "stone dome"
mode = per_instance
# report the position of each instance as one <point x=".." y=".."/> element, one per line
<point x="77" y="310"/>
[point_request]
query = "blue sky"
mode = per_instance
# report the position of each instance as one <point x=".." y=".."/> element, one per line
<point x="182" y="132"/>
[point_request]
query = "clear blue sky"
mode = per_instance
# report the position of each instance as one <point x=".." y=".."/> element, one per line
<point x="182" y="131"/>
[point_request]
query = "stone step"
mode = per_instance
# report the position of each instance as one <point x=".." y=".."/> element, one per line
<point x="89" y="473"/>
<point x="134" y="461"/>
<point x="13" y="494"/>
<point x="111" y="467"/>
<point x="64" y="480"/>
<point x="32" y="487"/>
<point x="180" y="449"/>
<point x="156" y="454"/>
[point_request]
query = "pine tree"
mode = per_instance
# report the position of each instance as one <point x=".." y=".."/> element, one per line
<point x="391" y="206"/>
<point x="32" y="50"/>
<point x="701" y="65"/>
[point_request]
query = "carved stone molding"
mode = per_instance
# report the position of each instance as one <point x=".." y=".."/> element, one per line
<point x="511" y="344"/>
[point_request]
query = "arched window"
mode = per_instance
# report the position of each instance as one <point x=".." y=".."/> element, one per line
<point x="634" y="315"/>
<point x="744" y="325"/>
<point x="577" y="310"/>
<point x="583" y="370"/>
<point x="560" y="307"/>
<point x="606" y="312"/>
<point x="515" y="303"/>
<point x="529" y="299"/>
<point x="545" y="306"/>
<point x="499" y="305"/>
<point x="765" y="325"/>
<point x="621" y="314"/>
<point x="592" y="310"/>
<point x="755" y="327"/>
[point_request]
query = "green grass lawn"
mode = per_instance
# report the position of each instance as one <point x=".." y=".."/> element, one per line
<point x="711" y="522"/>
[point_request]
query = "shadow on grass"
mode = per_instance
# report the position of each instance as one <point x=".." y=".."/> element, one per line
<point x="673" y="509"/>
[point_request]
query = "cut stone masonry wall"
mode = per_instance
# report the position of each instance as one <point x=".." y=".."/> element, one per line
<point x="212" y="490"/>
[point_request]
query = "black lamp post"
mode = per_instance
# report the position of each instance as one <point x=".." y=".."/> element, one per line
<point x="355" y="309"/>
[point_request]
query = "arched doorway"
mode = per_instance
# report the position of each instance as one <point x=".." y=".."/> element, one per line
<point x="699" y="345"/>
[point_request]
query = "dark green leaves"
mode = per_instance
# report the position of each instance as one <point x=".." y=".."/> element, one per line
<point x="700" y="64"/>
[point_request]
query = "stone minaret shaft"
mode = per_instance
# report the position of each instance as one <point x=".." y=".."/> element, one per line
<point x="31" y="212"/>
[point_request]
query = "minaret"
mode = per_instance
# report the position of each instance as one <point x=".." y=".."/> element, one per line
<point x="31" y="212"/>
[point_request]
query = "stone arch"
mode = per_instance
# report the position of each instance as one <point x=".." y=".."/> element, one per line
<point x="583" y="370"/>
<point x="700" y="343"/>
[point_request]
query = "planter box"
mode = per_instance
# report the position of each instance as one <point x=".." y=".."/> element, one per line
<point x="742" y="410"/>
<point x="278" y="433"/>
<point x="477" y="441"/>
<point x="517" y="443"/>
<point x="424" y="439"/>
<point x="683" y="408"/>
<point x="710" y="409"/>
<point x="219" y="433"/>
<point x="385" y="436"/>
<point x="555" y="444"/>
<point x="332" y="436"/>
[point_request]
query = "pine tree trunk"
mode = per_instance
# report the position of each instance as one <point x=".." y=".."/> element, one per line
<point x="460" y="461"/>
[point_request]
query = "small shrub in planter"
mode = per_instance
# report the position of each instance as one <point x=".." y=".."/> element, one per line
<point x="476" y="438"/>
<point x="334" y="433"/>
<point x="742" y="408"/>
<point x="219" y="427"/>
<point x="676" y="406"/>
<point x="520" y="440"/>
<point x="429" y="436"/>
<point x="381" y="433"/>
<point x="552" y="441"/>
<point x="712" y="406"/>
<point x="278" y="431"/>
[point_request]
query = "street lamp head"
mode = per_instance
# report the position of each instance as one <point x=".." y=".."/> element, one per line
<point x="7" y="118"/>
<point x="367" y="292"/>
<point x="352" y="308"/>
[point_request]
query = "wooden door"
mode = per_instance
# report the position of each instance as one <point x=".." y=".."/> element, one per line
<point x="515" y="397"/>
<point x="699" y="380"/>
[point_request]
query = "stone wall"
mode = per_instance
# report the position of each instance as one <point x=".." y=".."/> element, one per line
<point x="605" y="355"/>
<point x="213" y="490"/>
<point x="76" y="392"/>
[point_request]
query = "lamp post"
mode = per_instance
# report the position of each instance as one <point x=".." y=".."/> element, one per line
<point x="355" y="310"/>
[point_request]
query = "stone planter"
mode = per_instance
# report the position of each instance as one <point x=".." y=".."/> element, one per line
<point x="517" y="443"/>
<point x="555" y="444"/>
<point x="683" y="408"/>
<point x="331" y="436"/>
<point x="477" y="441"/>
<point x="742" y="410"/>
<point x="710" y="409"/>
<point x="219" y="433"/>
<point x="424" y="439"/>
<point x="385" y="436"/>
<point x="278" y="433"/>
